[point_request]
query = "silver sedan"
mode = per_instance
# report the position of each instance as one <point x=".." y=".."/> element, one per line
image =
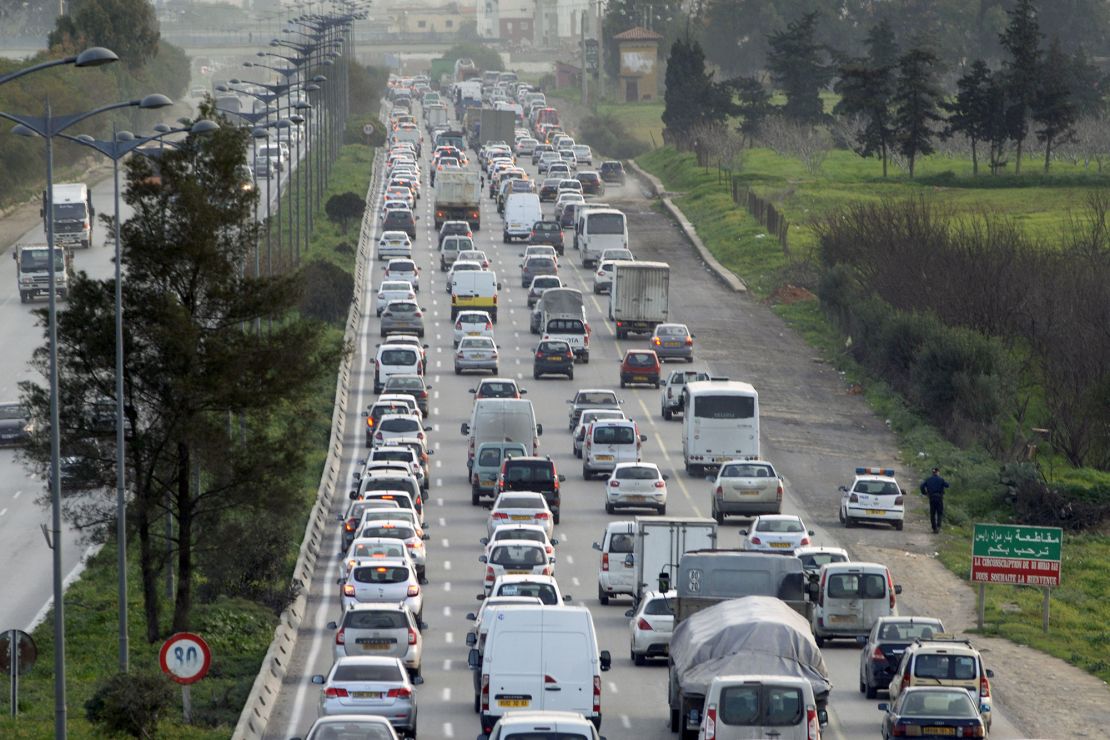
<point x="673" y="341"/>
<point x="476" y="353"/>
<point x="370" y="685"/>
<point x="402" y="317"/>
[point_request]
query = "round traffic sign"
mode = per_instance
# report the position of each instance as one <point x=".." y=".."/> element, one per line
<point x="27" y="653"/>
<point x="185" y="657"/>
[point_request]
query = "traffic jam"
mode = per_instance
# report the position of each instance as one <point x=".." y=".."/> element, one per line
<point x="737" y="617"/>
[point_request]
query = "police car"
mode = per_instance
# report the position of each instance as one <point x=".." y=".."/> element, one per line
<point x="874" y="496"/>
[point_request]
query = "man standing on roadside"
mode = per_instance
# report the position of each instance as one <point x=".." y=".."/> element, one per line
<point x="933" y="487"/>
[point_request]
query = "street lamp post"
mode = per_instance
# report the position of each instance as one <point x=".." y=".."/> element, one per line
<point x="48" y="126"/>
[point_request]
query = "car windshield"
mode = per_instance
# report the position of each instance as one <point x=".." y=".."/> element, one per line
<point x="636" y="472"/>
<point x="554" y="347"/>
<point x="782" y="526"/>
<point x="856" y="586"/>
<point x="537" y="471"/>
<point x="400" y="425"/>
<point x="381" y="574"/>
<point x="540" y="263"/>
<point x="402" y="266"/>
<point x="565" y="326"/>
<point x="543" y="591"/>
<point x="877" y="488"/>
<point x="622" y="543"/>
<point x="747" y="470"/>
<point x="375" y="620"/>
<point x="518" y="555"/>
<point x="605" y="223"/>
<point x="489" y="457"/>
<point x="671" y="331"/>
<point x="520" y="502"/>
<point x="814" y="560"/>
<point x="12" y="411"/>
<point x="360" y="672"/>
<point x="496" y="389"/>
<point x="640" y="359"/>
<point x="517" y="533"/>
<point x="404" y="384"/>
<point x="352" y="729"/>
<point x="396" y="285"/>
<point x="908" y="631"/>
<point x="473" y="318"/>
<point x="547" y="281"/>
<point x="382" y="550"/>
<point x="398" y="356"/>
<point x="596" y="398"/>
<point x="394" y="531"/>
<point x="477" y="343"/>
<point x="945" y="667"/>
<point x="938" y="704"/>
<point x="614" y="435"/>
<point x="659" y="607"/>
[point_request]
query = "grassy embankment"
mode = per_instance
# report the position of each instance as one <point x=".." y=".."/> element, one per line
<point x="238" y="631"/>
<point x="1041" y="205"/>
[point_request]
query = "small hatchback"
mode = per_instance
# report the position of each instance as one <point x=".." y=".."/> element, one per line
<point x="384" y="582"/>
<point x="389" y="630"/>
<point x="542" y="283"/>
<point x="640" y="366"/>
<point x="547" y="232"/>
<point x="403" y="269"/>
<point x="553" y="357"/>
<point x="650" y="626"/>
<point x="520" y="506"/>
<point x="516" y="557"/>
<point x="636" y="486"/>
<point x="534" y="266"/>
<point x="775" y="533"/>
<point x="402" y="316"/>
<point x="472" y="324"/>
<point x="945" y="661"/>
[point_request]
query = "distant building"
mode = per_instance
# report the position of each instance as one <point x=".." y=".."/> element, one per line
<point x="512" y="21"/>
<point x="639" y="64"/>
<point x="443" y="19"/>
<point x="561" y="21"/>
<point x="567" y="75"/>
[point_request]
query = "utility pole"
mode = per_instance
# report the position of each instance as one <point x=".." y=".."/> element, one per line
<point x="582" y="44"/>
<point x="600" y="55"/>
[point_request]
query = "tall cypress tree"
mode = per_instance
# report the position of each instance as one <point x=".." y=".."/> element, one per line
<point x="799" y="68"/>
<point x="1021" y="40"/>
<point x="691" y="97"/>
<point x="866" y="87"/>
<point x="1054" y="109"/>
<point x="969" y="112"/>
<point x="916" y="103"/>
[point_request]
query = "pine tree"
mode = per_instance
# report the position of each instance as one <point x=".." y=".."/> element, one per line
<point x="691" y="97"/>
<point x="1021" y="40"/>
<point x="917" y="104"/>
<point x="969" y="113"/>
<point x="798" y="67"/>
<point x="866" y="87"/>
<point x="1053" y="108"/>
<point x="753" y="106"/>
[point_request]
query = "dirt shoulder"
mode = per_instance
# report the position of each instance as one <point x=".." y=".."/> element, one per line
<point x="815" y="426"/>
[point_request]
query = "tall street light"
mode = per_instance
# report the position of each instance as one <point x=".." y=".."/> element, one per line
<point x="115" y="149"/>
<point x="48" y="126"/>
<point x="94" y="56"/>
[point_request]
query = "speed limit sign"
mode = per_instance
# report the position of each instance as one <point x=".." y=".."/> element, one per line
<point x="185" y="657"/>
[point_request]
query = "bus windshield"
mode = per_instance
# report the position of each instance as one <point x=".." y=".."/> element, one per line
<point x="605" y="223"/>
<point x="724" y="407"/>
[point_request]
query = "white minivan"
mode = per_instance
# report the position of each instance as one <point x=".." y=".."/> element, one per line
<point x="608" y="442"/>
<point x="849" y="597"/>
<point x="744" y="707"/>
<point x="522" y="210"/>
<point x="616" y="574"/>
<point x="540" y="658"/>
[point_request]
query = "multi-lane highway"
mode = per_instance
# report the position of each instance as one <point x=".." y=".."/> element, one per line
<point x="23" y="549"/>
<point x="812" y="430"/>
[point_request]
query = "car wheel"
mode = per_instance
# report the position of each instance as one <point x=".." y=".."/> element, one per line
<point x="899" y="525"/>
<point x="609" y="508"/>
<point x="819" y="640"/>
<point x="536" y="375"/>
<point x="690" y="358"/>
<point x="639" y="659"/>
<point x="585" y="473"/>
<point x="870" y="691"/>
<point x="718" y="516"/>
<point x="663" y="510"/>
<point x="622" y="382"/>
<point x="862" y="686"/>
<point x="458" y="371"/>
<point x="570" y="375"/>
<point x="585" y="358"/>
<point x="555" y="518"/>
<point x="602" y="597"/>
<point x="657" y="385"/>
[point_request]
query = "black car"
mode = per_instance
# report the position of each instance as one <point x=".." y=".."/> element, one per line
<point x="454" y="228"/>
<point x="549" y="189"/>
<point x="612" y="171"/>
<point x="400" y="220"/>
<point x="887" y="642"/>
<point x="547" y="232"/>
<point x="14" y="424"/>
<point x="553" y="357"/>
<point x="591" y="183"/>
<point x="536" y="474"/>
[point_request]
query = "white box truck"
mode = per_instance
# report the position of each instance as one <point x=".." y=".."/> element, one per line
<point x="32" y="271"/>
<point x="660" y="544"/>
<point x="639" y="299"/>
<point x="73" y="214"/>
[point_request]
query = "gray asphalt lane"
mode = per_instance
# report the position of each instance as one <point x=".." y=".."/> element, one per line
<point x="804" y="446"/>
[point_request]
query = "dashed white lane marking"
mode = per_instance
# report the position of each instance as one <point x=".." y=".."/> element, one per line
<point x="17" y="494"/>
<point x="625" y="721"/>
<point x="446" y="585"/>
<point x="449" y="637"/>
<point x="575" y="582"/>
<point x="448" y="730"/>
<point x="570" y="560"/>
<point x="3" y="512"/>
<point x="447" y="693"/>
<point x="446" y="611"/>
<point x="447" y="565"/>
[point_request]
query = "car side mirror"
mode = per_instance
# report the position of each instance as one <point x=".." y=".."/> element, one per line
<point x="710" y="479"/>
<point x="744" y="532"/>
<point x="810" y="533"/>
<point x="990" y="673"/>
<point x="318" y="679"/>
<point x="471" y="616"/>
<point x="480" y="597"/>
<point x="482" y="559"/>
<point x="539" y="430"/>
<point x="427" y="429"/>
<point x="883" y="706"/>
<point x="666" y="477"/>
<point x="897" y="588"/>
<point x="431" y="452"/>
<point x="606" y="660"/>
<point x="842" y="488"/>
<point x="464" y="428"/>
<point x="483" y="541"/>
<point x="471" y="390"/>
<point x="339" y="518"/>
<point x="471" y="639"/>
<point x="365" y="414"/>
<point x="597" y="545"/>
<point x="333" y="626"/>
<point x="562" y="478"/>
<point x="523" y="391"/>
<point x="474" y="659"/>
<point x="554" y="542"/>
<point x="551" y="559"/>
<point x="566" y="598"/>
<point x="813" y="589"/>
<point x="426" y="537"/>
<point x="643" y="438"/>
<point x="417" y="680"/>
<point x="861" y="640"/>
<point x="352" y="495"/>
<point x="630" y="613"/>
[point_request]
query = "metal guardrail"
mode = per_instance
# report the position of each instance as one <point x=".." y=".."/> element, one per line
<point x="255" y="717"/>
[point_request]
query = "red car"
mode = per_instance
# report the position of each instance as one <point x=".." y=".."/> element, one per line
<point x="640" y="366"/>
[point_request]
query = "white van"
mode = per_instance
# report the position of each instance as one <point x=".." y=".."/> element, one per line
<point x="522" y="210"/>
<point x="849" y="597"/>
<point x="608" y="442"/>
<point x="616" y="573"/>
<point x="501" y="420"/>
<point x="598" y="229"/>
<point x="474" y="290"/>
<point x="745" y="707"/>
<point x="541" y="658"/>
<point x="395" y="359"/>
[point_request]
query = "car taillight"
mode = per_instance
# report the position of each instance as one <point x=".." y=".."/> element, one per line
<point x="414" y="591"/>
<point x="899" y="500"/>
<point x="422" y="394"/>
<point x="654" y="340"/>
<point x="499" y="515"/>
<point x="340" y="638"/>
<point x="349" y="589"/>
<point x="756" y="541"/>
<point x="490" y="576"/>
<point x="689" y="340"/>
<point x="778" y="492"/>
<point x="597" y="694"/>
<point x="350" y="525"/>
<point x="419" y="314"/>
<point x="813" y="730"/>
<point x="489" y="325"/>
<point x="984" y="686"/>
<point x="402" y="693"/>
<point x="805" y="541"/>
<point x="485" y="695"/>
<point x="543" y="515"/>
<point x="644" y="625"/>
<point x="614" y="484"/>
<point x="821" y="592"/>
<point x="379" y="436"/>
<point x="853" y="499"/>
<point x="660" y="484"/>
<point x="420" y="435"/>
<point x="412" y="636"/>
<point x="539" y="355"/>
<point x="333" y="693"/>
<point x="719" y="492"/>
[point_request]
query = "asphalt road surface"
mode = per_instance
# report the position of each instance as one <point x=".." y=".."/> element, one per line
<point x="812" y="430"/>
<point x="23" y="549"/>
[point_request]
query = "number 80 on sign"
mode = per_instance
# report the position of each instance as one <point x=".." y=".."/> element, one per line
<point x="185" y="657"/>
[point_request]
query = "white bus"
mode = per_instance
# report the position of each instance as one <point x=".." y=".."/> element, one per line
<point x="720" y="423"/>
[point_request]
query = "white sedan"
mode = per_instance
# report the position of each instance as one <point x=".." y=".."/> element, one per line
<point x="394" y="290"/>
<point x="520" y="507"/>
<point x="637" y="485"/>
<point x="472" y="324"/>
<point x="651" y="624"/>
<point x="776" y="533"/>
<point x="394" y="244"/>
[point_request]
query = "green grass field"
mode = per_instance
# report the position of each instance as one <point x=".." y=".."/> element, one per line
<point x="238" y="631"/>
<point x="1080" y="611"/>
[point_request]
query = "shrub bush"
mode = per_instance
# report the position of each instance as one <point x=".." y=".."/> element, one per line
<point x="327" y="291"/>
<point x="608" y="135"/>
<point x="130" y="703"/>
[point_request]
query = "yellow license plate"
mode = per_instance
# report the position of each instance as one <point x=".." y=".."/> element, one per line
<point x="520" y="518"/>
<point x="780" y="544"/>
<point x="639" y="378"/>
<point x="748" y="492"/>
<point x="473" y="333"/>
<point x="519" y="572"/>
<point x="838" y="618"/>
<point x="939" y="731"/>
<point x="375" y="646"/>
<point x="513" y="702"/>
<point x="876" y="512"/>
<point x="366" y="694"/>
<point x="604" y="458"/>
<point x="671" y="344"/>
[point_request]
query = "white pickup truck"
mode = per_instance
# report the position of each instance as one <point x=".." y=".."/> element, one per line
<point x="560" y="314"/>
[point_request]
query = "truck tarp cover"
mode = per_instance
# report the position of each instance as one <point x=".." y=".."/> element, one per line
<point x="562" y="302"/>
<point x="751" y="635"/>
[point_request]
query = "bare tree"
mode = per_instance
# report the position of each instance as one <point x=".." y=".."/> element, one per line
<point x="810" y="144"/>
